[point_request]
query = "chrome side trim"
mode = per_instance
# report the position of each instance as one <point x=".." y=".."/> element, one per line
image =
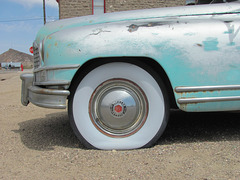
<point x="207" y="99"/>
<point x="47" y="68"/>
<point x="206" y="88"/>
<point x="52" y="83"/>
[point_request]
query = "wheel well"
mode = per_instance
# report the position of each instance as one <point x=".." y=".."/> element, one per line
<point x="88" y="66"/>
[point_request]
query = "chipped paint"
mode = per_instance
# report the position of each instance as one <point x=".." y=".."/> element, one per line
<point x="211" y="44"/>
<point x="98" y="31"/>
<point x="171" y="12"/>
<point x="200" y="45"/>
<point x="196" y="46"/>
<point x="134" y="27"/>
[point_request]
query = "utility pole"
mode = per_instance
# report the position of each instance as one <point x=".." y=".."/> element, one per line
<point x="44" y="12"/>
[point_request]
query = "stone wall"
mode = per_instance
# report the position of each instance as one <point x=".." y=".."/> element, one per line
<point x="124" y="5"/>
<point x="74" y="8"/>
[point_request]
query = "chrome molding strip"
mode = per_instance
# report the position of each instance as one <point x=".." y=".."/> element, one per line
<point x="206" y="88"/>
<point x="52" y="83"/>
<point x="207" y="99"/>
<point x="49" y="68"/>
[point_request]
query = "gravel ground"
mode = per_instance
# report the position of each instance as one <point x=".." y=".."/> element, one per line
<point x="39" y="143"/>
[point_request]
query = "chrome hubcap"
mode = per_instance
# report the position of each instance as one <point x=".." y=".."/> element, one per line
<point x="118" y="107"/>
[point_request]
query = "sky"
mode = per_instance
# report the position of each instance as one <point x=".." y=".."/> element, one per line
<point x="20" y="21"/>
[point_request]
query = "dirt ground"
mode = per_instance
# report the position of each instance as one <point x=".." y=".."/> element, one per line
<point x="38" y="143"/>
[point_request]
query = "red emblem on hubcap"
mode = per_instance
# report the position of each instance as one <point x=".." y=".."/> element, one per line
<point x="118" y="108"/>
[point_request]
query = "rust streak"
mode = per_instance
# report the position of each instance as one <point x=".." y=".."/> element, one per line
<point x="200" y="45"/>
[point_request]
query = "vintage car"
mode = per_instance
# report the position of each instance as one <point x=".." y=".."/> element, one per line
<point x="121" y="73"/>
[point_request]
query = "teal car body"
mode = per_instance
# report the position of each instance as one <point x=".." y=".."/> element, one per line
<point x="195" y="50"/>
<point x="196" y="46"/>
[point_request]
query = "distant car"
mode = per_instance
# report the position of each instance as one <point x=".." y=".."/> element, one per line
<point x="122" y="72"/>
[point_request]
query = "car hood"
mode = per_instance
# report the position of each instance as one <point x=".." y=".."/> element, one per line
<point x="169" y="12"/>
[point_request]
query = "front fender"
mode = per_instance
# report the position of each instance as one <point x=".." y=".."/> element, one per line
<point x="191" y="53"/>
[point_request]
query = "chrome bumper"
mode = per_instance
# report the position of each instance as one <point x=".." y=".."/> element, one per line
<point x="48" y="98"/>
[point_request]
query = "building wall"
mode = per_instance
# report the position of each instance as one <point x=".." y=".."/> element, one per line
<point x="74" y="8"/>
<point x="124" y="5"/>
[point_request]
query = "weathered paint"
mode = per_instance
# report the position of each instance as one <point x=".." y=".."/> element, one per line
<point x="206" y="106"/>
<point x="196" y="46"/>
<point x="53" y="27"/>
<point x="211" y="44"/>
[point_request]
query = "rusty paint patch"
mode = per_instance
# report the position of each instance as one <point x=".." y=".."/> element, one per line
<point x="47" y="55"/>
<point x="56" y="44"/>
<point x="134" y="27"/>
<point x="200" y="45"/>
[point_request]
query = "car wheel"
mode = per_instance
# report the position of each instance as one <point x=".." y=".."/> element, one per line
<point x="118" y="106"/>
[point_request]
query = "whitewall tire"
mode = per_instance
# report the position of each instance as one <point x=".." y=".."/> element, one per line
<point x="118" y="106"/>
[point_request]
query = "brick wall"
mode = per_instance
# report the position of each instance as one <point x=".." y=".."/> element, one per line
<point x="124" y="5"/>
<point x="74" y="8"/>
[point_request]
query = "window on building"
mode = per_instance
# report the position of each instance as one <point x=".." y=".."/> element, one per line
<point x="98" y="6"/>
